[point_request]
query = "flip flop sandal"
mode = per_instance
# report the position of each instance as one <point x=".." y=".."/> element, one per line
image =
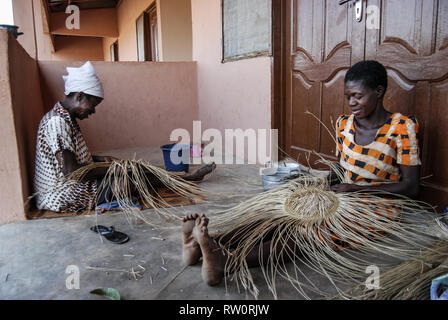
<point x="110" y="234"/>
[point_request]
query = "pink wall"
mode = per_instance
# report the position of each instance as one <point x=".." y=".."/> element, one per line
<point x="75" y="48"/>
<point x="127" y="14"/>
<point x="234" y="94"/>
<point x="23" y="17"/>
<point x="35" y="41"/>
<point x="143" y="103"/>
<point x="22" y="109"/>
<point x="38" y="43"/>
<point x="95" y="23"/>
<point x="174" y="30"/>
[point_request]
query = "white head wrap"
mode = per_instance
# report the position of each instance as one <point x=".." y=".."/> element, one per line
<point x="83" y="79"/>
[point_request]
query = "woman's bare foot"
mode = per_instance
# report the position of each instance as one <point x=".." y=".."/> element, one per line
<point x="199" y="174"/>
<point x="213" y="259"/>
<point x="191" y="251"/>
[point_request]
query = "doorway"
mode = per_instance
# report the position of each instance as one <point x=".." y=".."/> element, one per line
<point x="147" y="35"/>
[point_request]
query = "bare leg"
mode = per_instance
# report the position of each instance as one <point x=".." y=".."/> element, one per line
<point x="213" y="258"/>
<point x="191" y="252"/>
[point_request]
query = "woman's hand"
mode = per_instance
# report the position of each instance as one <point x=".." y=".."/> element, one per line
<point x="344" y="187"/>
<point x="408" y="186"/>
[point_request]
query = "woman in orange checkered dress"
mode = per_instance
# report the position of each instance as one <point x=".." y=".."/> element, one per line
<point x="377" y="149"/>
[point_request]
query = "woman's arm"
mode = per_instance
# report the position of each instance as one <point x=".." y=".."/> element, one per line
<point x="67" y="162"/>
<point x="408" y="186"/>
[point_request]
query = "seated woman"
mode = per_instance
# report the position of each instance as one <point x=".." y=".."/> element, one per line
<point x="61" y="148"/>
<point x="377" y="149"/>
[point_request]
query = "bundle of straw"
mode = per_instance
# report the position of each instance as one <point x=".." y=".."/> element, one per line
<point x="410" y="280"/>
<point x="303" y="218"/>
<point x="124" y="176"/>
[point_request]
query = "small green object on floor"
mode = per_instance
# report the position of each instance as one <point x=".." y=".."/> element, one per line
<point x="110" y="293"/>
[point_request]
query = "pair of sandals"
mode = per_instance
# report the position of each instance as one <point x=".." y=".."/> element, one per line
<point x="111" y="234"/>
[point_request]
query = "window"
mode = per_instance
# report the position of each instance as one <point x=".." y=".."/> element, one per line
<point x="147" y="35"/>
<point x="246" y="29"/>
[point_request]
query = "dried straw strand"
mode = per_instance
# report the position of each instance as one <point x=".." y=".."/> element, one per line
<point x="410" y="280"/>
<point x="123" y="175"/>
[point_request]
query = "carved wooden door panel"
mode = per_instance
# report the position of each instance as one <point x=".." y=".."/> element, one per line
<point x="412" y="43"/>
<point x="410" y="39"/>
<point x="323" y="41"/>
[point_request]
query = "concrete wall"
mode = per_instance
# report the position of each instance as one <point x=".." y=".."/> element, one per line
<point x="127" y="14"/>
<point x="174" y="28"/>
<point x="93" y="23"/>
<point x="22" y="109"/>
<point x="23" y="17"/>
<point x="144" y="101"/>
<point x="234" y="94"/>
<point x="37" y="41"/>
<point x="75" y="48"/>
<point x="174" y="31"/>
<point x="28" y="16"/>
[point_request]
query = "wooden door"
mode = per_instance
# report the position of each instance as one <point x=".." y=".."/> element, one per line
<point x="153" y="33"/>
<point x="323" y="39"/>
<point x="114" y="52"/>
<point x="412" y="43"/>
<point x="147" y="35"/>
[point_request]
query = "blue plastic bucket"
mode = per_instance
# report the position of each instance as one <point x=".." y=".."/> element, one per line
<point x="176" y="157"/>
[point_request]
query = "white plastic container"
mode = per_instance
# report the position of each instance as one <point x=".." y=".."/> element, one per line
<point x="272" y="178"/>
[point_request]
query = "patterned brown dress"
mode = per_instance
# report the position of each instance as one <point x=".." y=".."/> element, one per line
<point x="57" y="132"/>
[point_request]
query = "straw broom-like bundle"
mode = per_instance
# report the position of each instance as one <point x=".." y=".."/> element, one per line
<point x="303" y="217"/>
<point x="410" y="280"/>
<point x="124" y="175"/>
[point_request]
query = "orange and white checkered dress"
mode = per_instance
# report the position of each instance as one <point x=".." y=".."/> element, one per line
<point x="378" y="162"/>
<point x="395" y="144"/>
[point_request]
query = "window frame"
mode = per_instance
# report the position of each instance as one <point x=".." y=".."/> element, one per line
<point x="250" y="55"/>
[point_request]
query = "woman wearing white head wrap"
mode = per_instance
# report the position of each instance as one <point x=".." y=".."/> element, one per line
<point x="61" y="148"/>
<point x="61" y="141"/>
<point x="83" y="79"/>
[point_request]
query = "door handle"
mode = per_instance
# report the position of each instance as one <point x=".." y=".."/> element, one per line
<point x="358" y="8"/>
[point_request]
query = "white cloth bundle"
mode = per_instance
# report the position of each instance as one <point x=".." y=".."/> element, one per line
<point x="83" y="79"/>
